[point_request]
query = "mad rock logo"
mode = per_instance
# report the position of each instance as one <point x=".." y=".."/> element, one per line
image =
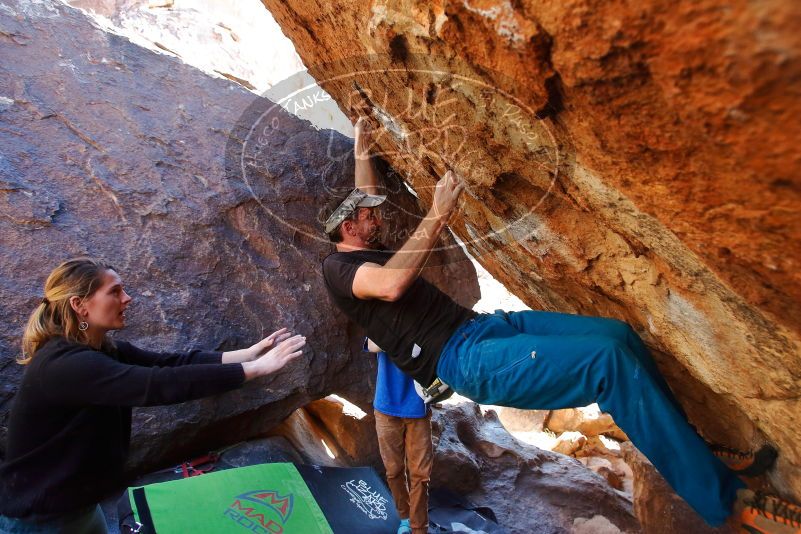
<point x="261" y="511"/>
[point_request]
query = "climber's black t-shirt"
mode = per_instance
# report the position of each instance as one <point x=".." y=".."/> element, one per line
<point x="412" y="330"/>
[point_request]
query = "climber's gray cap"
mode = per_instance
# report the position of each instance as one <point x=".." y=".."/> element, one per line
<point x="356" y="199"/>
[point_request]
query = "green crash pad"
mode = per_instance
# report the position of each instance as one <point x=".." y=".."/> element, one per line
<point x="267" y="498"/>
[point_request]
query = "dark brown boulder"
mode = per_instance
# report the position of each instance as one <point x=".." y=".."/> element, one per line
<point x="111" y="150"/>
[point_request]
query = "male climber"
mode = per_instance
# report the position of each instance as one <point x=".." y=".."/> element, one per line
<point x="531" y="360"/>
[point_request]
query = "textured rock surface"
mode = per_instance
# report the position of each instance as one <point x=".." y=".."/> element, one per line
<point x="116" y="151"/>
<point x="634" y="160"/>
<point x="595" y="525"/>
<point x="588" y="420"/>
<point x="514" y="419"/>
<point x="657" y="506"/>
<point x="577" y="433"/>
<point x="569" y="442"/>
<point x="530" y="490"/>
<point x="332" y="433"/>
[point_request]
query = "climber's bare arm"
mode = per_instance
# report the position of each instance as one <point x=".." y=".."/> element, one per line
<point x="366" y="176"/>
<point x="390" y="282"/>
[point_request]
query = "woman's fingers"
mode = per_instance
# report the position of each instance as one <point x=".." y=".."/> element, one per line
<point x="276" y="340"/>
<point x="294" y="339"/>
<point x="272" y="339"/>
<point x="289" y="345"/>
<point x="283" y="337"/>
<point x="298" y="343"/>
<point x="276" y="333"/>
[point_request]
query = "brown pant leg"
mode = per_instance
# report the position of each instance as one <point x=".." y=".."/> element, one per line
<point x="419" y="461"/>
<point x="390" y="431"/>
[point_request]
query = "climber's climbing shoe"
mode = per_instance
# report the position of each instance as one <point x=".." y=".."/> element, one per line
<point x="768" y="514"/>
<point x="747" y="464"/>
<point x="405" y="527"/>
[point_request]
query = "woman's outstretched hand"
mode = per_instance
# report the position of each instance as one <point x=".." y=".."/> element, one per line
<point x="285" y="350"/>
<point x="269" y="342"/>
<point x="258" y="349"/>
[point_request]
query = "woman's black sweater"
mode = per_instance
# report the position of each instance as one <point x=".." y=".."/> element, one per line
<point x="70" y="424"/>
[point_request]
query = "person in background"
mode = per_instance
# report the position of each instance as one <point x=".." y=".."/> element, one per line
<point x="403" y="426"/>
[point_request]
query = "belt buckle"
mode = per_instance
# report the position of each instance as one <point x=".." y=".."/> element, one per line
<point x="438" y="391"/>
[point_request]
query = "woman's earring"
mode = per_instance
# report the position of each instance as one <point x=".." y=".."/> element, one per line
<point x="82" y="326"/>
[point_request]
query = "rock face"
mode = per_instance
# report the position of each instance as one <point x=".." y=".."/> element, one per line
<point x="636" y="161"/>
<point x="115" y="151"/>
<point x="583" y="433"/>
<point x="530" y="490"/>
<point x="332" y="433"/>
<point x="657" y="506"/>
<point x="589" y="420"/>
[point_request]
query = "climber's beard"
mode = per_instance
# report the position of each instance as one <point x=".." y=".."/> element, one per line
<point x="373" y="238"/>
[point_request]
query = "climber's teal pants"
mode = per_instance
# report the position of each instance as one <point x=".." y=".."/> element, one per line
<point x="547" y="361"/>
